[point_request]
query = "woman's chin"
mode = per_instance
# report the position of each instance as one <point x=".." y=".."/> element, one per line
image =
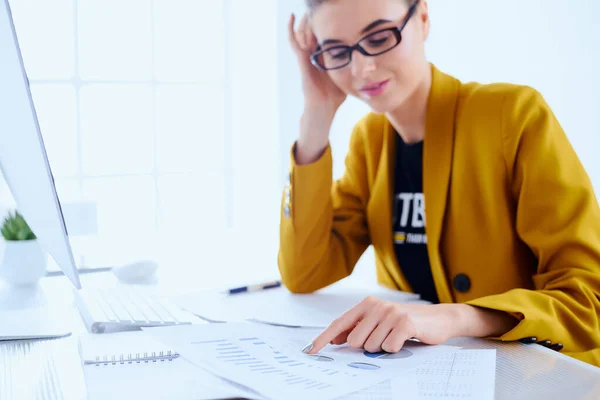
<point x="383" y="105"/>
<point x="379" y="107"/>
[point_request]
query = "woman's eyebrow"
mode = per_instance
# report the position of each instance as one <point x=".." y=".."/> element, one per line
<point x="374" y="24"/>
<point x="330" y="41"/>
<point x="369" y="27"/>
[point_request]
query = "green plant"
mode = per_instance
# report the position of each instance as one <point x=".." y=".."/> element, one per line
<point x="15" y="228"/>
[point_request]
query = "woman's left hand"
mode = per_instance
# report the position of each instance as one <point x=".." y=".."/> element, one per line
<point x="377" y="325"/>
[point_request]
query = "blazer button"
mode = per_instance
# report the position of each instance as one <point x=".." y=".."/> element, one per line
<point x="545" y="343"/>
<point x="557" y="347"/>
<point x="462" y="283"/>
<point x="528" y="340"/>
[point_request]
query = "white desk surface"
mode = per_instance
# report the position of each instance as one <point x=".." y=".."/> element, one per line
<point x="51" y="369"/>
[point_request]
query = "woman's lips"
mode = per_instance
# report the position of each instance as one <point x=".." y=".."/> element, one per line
<point x="374" y="89"/>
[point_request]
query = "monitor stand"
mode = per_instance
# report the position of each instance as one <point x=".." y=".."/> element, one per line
<point x="25" y="314"/>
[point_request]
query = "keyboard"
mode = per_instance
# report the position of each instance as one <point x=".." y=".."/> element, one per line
<point x="125" y="309"/>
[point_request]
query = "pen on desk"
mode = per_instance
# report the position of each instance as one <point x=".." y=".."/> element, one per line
<point x="254" y="288"/>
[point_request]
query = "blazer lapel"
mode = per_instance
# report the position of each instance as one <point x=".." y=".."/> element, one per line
<point x="380" y="208"/>
<point x="437" y="163"/>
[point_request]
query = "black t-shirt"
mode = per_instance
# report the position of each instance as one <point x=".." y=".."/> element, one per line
<point x="410" y="239"/>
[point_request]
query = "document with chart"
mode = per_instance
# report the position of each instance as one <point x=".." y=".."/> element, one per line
<point x="265" y="359"/>
<point x="412" y="355"/>
<point x="465" y="374"/>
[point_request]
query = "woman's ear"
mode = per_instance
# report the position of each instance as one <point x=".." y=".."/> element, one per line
<point x="423" y="14"/>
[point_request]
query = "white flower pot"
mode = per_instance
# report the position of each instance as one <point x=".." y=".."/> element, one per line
<point x="23" y="263"/>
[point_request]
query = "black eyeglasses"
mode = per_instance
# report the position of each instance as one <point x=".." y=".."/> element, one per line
<point x="373" y="44"/>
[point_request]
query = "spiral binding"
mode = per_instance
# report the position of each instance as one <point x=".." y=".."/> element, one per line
<point x="138" y="358"/>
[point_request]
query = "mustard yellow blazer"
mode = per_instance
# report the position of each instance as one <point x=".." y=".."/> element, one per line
<point x="511" y="217"/>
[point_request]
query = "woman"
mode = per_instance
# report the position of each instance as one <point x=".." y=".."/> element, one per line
<point x="510" y="248"/>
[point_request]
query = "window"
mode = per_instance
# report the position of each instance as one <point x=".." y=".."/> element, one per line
<point x="160" y="113"/>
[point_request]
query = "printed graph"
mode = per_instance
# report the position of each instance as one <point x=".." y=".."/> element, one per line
<point x="257" y="358"/>
<point x="269" y="360"/>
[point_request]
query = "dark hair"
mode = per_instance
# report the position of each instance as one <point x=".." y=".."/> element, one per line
<point x="313" y="4"/>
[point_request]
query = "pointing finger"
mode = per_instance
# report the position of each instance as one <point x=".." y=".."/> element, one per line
<point x="346" y="321"/>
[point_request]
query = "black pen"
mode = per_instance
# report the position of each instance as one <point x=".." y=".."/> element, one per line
<point x="254" y="288"/>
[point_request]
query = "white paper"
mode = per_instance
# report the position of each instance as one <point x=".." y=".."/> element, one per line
<point x="32" y="323"/>
<point x="412" y="355"/>
<point x="280" y="307"/>
<point x="465" y="374"/>
<point x="405" y="389"/>
<point x="176" y="379"/>
<point x="248" y="354"/>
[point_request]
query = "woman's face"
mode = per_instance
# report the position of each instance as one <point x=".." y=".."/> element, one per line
<point x="385" y="81"/>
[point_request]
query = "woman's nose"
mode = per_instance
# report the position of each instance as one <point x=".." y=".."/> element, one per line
<point x="362" y="66"/>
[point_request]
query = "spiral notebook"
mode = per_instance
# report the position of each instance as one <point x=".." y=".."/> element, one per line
<point x="130" y="365"/>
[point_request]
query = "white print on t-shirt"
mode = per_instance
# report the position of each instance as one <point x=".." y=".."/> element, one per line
<point x="413" y="210"/>
<point x="417" y="201"/>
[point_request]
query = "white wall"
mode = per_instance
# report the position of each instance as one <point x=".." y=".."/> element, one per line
<point x="551" y="45"/>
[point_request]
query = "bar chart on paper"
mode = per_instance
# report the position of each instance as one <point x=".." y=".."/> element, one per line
<point x="248" y="358"/>
<point x="256" y="360"/>
<point x="391" y="364"/>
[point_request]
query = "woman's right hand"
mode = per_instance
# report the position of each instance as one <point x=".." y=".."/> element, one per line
<point x="319" y="90"/>
<point x="322" y="97"/>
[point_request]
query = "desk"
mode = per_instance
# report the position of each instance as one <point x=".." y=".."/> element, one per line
<point x="51" y="369"/>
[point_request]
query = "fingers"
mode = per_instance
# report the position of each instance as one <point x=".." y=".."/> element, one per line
<point x="292" y="34"/>
<point x="311" y="40"/>
<point x="303" y="39"/>
<point x="342" y="337"/>
<point x="394" y="329"/>
<point x="342" y="324"/>
<point x="301" y="36"/>
<point x="395" y="340"/>
<point x="375" y="341"/>
<point x="379" y="313"/>
<point x="373" y="324"/>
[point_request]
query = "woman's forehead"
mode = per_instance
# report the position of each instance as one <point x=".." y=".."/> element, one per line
<point x="346" y="19"/>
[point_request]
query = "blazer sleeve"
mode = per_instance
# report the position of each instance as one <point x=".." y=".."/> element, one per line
<point x="323" y="228"/>
<point x="558" y="217"/>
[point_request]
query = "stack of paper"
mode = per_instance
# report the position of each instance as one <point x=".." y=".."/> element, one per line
<point x="114" y="377"/>
<point x="466" y="374"/>
<point x="268" y="359"/>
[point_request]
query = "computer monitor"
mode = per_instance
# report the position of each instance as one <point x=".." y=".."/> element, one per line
<point x="23" y="158"/>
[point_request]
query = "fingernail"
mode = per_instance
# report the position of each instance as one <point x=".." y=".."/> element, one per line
<point x="307" y="348"/>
